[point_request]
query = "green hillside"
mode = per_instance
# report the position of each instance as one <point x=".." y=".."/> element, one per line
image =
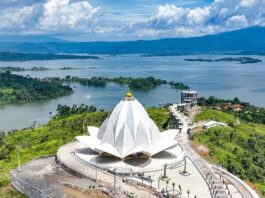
<point x="45" y="140"/>
<point x="239" y="148"/>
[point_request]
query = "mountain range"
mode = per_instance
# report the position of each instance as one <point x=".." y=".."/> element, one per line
<point x="243" y="41"/>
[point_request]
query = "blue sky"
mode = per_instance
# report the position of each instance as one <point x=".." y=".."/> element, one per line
<point x="89" y="20"/>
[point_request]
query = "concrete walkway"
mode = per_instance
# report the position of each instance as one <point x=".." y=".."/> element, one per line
<point x="66" y="157"/>
<point x="211" y="175"/>
<point x="42" y="177"/>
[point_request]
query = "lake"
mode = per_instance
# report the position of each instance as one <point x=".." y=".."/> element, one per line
<point x="220" y="79"/>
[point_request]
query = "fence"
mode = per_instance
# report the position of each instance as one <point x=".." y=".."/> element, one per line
<point x="26" y="188"/>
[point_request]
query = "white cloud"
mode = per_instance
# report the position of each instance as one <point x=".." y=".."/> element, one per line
<point x="237" y="21"/>
<point x="50" y="16"/>
<point x="221" y="15"/>
<point x="247" y="3"/>
<point x="78" y="18"/>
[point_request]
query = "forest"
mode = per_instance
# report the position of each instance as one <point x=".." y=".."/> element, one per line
<point x="19" y="89"/>
<point x="246" y="111"/>
<point x="141" y="83"/>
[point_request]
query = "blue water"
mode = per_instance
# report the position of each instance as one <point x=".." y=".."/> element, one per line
<point x="220" y="79"/>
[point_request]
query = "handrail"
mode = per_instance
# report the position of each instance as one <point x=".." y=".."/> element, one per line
<point x="205" y="179"/>
<point x="250" y="190"/>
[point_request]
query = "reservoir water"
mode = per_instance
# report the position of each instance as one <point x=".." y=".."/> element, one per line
<point x="220" y="79"/>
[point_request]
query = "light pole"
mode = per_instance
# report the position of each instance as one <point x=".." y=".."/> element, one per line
<point x="180" y="190"/>
<point x="173" y="185"/>
<point x="96" y="175"/>
<point x="185" y="172"/>
<point x="165" y="172"/>
<point x="114" y="182"/>
<point x="18" y="157"/>
<point x="185" y="165"/>
<point x="150" y="179"/>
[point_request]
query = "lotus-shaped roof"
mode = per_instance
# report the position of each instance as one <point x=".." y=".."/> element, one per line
<point x="128" y="131"/>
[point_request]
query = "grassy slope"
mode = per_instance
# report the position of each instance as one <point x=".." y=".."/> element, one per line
<point x="48" y="138"/>
<point x="42" y="141"/>
<point x="209" y="114"/>
<point x="239" y="147"/>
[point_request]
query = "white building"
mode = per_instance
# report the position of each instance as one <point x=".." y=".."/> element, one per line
<point x="128" y="132"/>
<point x="189" y="97"/>
<point x="213" y="124"/>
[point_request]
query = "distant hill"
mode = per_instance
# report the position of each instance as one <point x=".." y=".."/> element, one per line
<point x="14" y="56"/>
<point x="244" y="41"/>
<point x="29" y="39"/>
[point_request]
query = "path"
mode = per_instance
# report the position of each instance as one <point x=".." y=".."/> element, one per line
<point x="67" y="158"/>
<point x="215" y="182"/>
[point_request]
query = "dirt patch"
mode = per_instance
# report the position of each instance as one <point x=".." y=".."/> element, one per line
<point x="203" y="151"/>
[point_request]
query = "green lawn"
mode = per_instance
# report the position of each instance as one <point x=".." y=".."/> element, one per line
<point x="210" y="114"/>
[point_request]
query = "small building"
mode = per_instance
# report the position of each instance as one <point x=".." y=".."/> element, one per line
<point x="189" y="97"/>
<point x="237" y="107"/>
<point x="213" y="124"/>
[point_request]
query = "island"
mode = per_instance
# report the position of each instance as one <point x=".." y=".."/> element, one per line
<point x="160" y="55"/>
<point x="12" y="69"/>
<point x="19" y="89"/>
<point x="241" y="60"/>
<point x="36" y="68"/>
<point x="13" y="56"/>
<point x="140" y="83"/>
<point x="39" y="69"/>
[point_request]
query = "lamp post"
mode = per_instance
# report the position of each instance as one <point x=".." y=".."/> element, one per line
<point x="114" y="182"/>
<point x="165" y="172"/>
<point x="96" y="175"/>
<point x="173" y="185"/>
<point x="18" y="157"/>
<point x="185" y="172"/>
<point x="150" y="179"/>
<point x="180" y="190"/>
<point x="185" y="165"/>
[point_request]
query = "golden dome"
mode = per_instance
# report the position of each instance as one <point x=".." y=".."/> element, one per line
<point x="129" y="93"/>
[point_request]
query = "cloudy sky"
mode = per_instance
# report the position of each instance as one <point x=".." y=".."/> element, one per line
<point x="89" y="20"/>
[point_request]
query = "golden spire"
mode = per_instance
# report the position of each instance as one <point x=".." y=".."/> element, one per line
<point x="129" y="93"/>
